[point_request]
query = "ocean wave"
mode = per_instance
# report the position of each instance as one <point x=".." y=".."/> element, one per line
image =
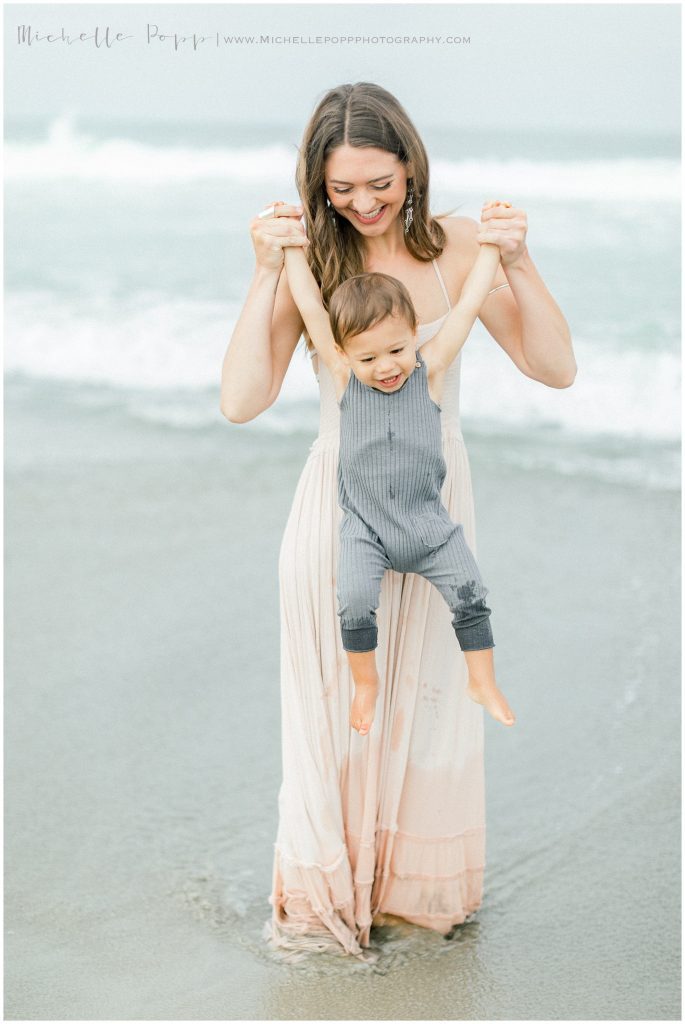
<point x="196" y="419"/>
<point x="171" y="350"/>
<point x="70" y="153"/>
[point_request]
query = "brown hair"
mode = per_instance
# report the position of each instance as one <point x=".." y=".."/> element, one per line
<point x="363" y="115"/>
<point x="364" y="300"/>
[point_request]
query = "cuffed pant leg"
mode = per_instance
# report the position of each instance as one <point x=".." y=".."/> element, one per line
<point x="454" y="572"/>
<point x="361" y="566"/>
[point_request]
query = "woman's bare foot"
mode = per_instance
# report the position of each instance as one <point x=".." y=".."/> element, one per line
<point x="363" y="706"/>
<point x="492" y="699"/>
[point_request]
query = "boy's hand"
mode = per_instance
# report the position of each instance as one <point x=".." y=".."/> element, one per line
<point x="271" y="234"/>
<point x="485" y="218"/>
<point x="506" y="227"/>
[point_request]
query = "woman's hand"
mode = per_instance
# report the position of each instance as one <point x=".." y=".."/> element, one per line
<point x="270" y="234"/>
<point x="505" y="226"/>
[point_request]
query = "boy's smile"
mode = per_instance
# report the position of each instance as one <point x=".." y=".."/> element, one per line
<point x="384" y="356"/>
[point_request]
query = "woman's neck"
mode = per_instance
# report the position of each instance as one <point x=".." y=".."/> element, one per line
<point x="386" y="247"/>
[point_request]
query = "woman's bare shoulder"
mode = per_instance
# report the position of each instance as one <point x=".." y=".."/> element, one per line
<point x="461" y="237"/>
<point x="461" y="249"/>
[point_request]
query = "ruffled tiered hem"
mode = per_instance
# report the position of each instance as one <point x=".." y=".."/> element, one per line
<point x="431" y="882"/>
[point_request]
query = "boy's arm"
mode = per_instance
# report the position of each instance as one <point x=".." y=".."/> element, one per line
<point x="444" y="348"/>
<point x="307" y="296"/>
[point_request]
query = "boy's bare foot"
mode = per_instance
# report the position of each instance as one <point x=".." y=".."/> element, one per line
<point x="492" y="699"/>
<point x="363" y="706"/>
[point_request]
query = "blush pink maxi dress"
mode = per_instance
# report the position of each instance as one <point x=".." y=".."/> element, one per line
<point x="392" y="823"/>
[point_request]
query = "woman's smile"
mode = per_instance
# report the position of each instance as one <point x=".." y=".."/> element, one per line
<point x="370" y="218"/>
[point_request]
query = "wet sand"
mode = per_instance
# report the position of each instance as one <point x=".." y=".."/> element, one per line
<point x="143" y="740"/>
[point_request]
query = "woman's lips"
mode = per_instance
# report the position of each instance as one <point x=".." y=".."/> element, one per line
<point x="373" y="220"/>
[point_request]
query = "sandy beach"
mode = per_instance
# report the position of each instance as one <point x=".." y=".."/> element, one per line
<point x="143" y="738"/>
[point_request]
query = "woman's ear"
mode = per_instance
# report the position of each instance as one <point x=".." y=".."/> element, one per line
<point x="409" y="168"/>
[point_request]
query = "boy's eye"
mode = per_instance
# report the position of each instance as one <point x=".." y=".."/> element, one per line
<point x="368" y="359"/>
<point x="379" y="188"/>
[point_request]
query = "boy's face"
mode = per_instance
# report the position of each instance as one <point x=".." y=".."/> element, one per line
<point x="384" y="356"/>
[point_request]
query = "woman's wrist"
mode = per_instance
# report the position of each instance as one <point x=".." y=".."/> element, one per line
<point x="522" y="262"/>
<point x="267" y="275"/>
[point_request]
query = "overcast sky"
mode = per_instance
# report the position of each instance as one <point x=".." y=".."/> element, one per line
<point x="534" y="66"/>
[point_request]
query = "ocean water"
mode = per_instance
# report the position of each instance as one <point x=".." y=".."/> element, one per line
<point x="135" y="511"/>
<point x="128" y="258"/>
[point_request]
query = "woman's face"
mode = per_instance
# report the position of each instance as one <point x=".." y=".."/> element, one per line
<point x="368" y="187"/>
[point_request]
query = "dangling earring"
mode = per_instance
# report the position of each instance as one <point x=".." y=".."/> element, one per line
<point x="409" y="213"/>
<point x="331" y="212"/>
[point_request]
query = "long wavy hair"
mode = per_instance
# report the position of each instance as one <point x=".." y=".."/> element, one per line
<point x="363" y="115"/>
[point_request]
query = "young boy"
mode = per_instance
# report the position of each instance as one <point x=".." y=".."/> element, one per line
<point x="391" y="468"/>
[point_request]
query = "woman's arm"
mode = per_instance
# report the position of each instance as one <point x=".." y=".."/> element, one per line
<point x="523" y="319"/>
<point x="307" y="295"/>
<point x="269" y="326"/>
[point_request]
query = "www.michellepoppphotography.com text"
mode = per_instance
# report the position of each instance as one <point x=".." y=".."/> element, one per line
<point x="105" y="37"/>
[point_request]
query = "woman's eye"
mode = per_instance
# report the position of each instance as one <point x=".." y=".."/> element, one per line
<point x="379" y="188"/>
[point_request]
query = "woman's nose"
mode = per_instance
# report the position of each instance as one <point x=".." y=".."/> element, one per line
<point x="366" y="206"/>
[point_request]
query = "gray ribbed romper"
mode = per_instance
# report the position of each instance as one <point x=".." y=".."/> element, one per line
<point x="390" y="474"/>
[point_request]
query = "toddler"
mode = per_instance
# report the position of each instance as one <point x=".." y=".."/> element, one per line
<point x="391" y="468"/>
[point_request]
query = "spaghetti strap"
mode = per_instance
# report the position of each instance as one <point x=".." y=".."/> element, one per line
<point x="442" y="284"/>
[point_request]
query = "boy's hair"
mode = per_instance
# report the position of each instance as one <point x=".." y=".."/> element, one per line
<point x="364" y="300"/>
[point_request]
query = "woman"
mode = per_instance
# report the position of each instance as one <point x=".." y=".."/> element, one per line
<point x="391" y="824"/>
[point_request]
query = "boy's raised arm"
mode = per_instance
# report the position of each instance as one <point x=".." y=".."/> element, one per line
<point x="450" y="339"/>
<point x="305" y="291"/>
<point x="479" y="279"/>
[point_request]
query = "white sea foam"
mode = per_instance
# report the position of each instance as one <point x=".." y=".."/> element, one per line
<point x="169" y="348"/>
<point x="68" y="152"/>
